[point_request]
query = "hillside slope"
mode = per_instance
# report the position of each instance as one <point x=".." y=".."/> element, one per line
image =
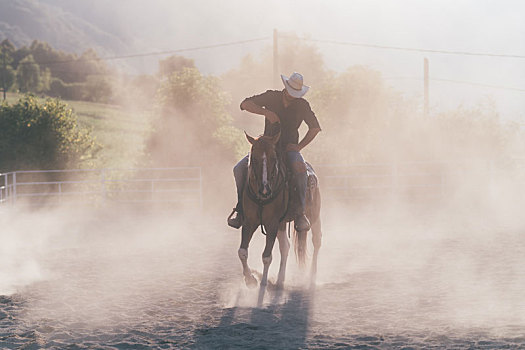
<point x="22" y="21"/>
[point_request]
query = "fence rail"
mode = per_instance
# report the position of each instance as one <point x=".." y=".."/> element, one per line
<point x="412" y="179"/>
<point x="185" y="185"/>
<point x="148" y="185"/>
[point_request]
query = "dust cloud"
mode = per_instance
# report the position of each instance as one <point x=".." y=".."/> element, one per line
<point x="385" y="269"/>
<point x="404" y="259"/>
<point x="89" y="261"/>
<point x="418" y="269"/>
<point x="425" y="235"/>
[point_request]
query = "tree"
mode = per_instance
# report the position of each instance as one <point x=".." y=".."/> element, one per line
<point x="90" y="64"/>
<point x="297" y="55"/>
<point x="66" y="66"/>
<point x="255" y="75"/>
<point x="7" y="74"/>
<point x="44" y="135"/>
<point x="358" y="103"/>
<point x="45" y="79"/>
<point x="8" y="47"/>
<point x="28" y="75"/>
<point x="18" y="55"/>
<point x="174" y="64"/>
<point x="97" y="89"/>
<point x="193" y="124"/>
<point x="59" y="63"/>
<point x="40" y="68"/>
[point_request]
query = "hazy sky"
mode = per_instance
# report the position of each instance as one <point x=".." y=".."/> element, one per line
<point x="478" y="26"/>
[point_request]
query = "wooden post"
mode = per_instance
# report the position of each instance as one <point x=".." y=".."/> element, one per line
<point x="275" y="60"/>
<point x="4" y="72"/>
<point x="426" y="108"/>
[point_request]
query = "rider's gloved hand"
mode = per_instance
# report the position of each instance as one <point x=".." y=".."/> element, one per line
<point x="271" y="116"/>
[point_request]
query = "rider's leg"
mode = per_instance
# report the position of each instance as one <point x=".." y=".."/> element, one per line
<point x="298" y="166"/>
<point x="239" y="173"/>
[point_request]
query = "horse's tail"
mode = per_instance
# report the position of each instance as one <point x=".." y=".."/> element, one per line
<point x="300" y="247"/>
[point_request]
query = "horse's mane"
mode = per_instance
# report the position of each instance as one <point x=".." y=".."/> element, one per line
<point x="265" y="142"/>
<point x="264" y="138"/>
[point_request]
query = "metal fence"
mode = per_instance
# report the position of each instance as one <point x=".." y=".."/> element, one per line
<point x="408" y="179"/>
<point x="184" y="186"/>
<point x="179" y="186"/>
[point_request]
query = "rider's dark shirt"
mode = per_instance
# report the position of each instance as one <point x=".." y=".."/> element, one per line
<point x="291" y="117"/>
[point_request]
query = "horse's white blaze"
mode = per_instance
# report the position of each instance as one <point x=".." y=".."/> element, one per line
<point x="264" y="174"/>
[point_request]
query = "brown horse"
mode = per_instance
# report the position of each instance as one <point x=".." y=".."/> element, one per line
<point x="265" y="201"/>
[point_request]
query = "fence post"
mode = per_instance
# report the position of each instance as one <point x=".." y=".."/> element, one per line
<point x="7" y="189"/>
<point x="103" y="184"/>
<point x="60" y="192"/>
<point x="14" y="187"/>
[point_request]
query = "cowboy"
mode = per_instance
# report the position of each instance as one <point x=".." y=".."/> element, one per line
<point x="283" y="110"/>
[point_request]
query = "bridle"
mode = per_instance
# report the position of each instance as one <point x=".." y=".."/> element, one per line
<point x="276" y="185"/>
<point x="276" y="181"/>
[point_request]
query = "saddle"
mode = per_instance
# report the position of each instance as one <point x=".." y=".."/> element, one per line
<point x="293" y="197"/>
<point x="293" y="202"/>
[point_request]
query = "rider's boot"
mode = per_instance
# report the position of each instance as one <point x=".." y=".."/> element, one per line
<point x="239" y="173"/>
<point x="235" y="218"/>
<point x="301" y="223"/>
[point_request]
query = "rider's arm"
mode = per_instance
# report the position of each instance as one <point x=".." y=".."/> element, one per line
<point x="252" y="107"/>
<point x="308" y="137"/>
<point x="313" y="125"/>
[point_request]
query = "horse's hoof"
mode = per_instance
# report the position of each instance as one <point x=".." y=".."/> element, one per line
<point x="279" y="286"/>
<point x="251" y="282"/>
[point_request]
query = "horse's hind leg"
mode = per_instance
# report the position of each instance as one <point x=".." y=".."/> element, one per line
<point x="247" y="233"/>
<point x="284" y="248"/>
<point x="316" y="240"/>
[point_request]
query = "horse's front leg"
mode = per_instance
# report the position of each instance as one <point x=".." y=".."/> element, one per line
<point x="271" y="234"/>
<point x="247" y="233"/>
<point x="284" y="247"/>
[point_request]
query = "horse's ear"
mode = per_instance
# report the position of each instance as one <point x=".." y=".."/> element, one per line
<point x="275" y="138"/>
<point x="249" y="138"/>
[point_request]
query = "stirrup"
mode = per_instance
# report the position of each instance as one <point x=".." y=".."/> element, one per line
<point x="301" y="223"/>
<point x="235" y="222"/>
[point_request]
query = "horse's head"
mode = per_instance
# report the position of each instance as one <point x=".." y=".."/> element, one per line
<point x="264" y="165"/>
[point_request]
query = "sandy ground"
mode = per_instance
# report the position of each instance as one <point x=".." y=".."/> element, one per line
<point x="138" y="281"/>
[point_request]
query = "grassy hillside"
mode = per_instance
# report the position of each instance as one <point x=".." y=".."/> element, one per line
<point x="120" y="132"/>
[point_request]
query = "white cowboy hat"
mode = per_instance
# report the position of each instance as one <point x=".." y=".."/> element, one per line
<point x="294" y="85"/>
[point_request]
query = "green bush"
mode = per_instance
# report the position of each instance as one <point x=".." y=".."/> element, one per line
<point x="97" y="89"/>
<point x="44" y="135"/>
<point x="66" y="91"/>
